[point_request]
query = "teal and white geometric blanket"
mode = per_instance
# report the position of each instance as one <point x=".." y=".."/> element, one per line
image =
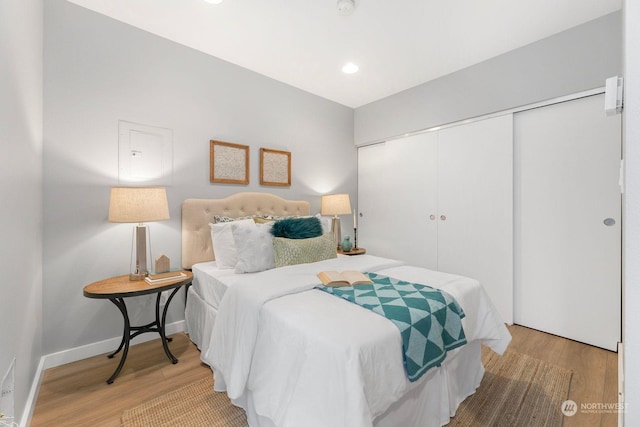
<point x="429" y="320"/>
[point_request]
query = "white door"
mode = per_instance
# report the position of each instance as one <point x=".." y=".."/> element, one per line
<point x="373" y="188"/>
<point x="397" y="189"/>
<point x="475" y="206"/>
<point x="568" y="211"/>
<point x="444" y="200"/>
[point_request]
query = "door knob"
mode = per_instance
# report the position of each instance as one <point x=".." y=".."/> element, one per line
<point x="443" y="218"/>
<point x="432" y="217"/>
<point x="609" y="222"/>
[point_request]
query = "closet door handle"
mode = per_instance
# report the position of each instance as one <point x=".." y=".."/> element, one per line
<point x="432" y="217"/>
<point x="443" y="218"/>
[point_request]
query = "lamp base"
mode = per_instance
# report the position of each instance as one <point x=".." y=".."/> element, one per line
<point x="139" y="252"/>
<point x="335" y="229"/>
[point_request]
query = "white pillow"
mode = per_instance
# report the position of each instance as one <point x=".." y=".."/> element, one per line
<point x="325" y="221"/>
<point x="255" y="248"/>
<point x="224" y="247"/>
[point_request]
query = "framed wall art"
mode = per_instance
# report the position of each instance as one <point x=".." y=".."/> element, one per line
<point x="275" y="167"/>
<point x="228" y="163"/>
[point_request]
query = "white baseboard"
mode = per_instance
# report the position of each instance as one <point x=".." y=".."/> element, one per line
<point x="74" y="354"/>
<point x="78" y="353"/>
<point x="33" y="395"/>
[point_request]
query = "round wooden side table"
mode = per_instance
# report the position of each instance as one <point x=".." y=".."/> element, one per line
<point x="116" y="289"/>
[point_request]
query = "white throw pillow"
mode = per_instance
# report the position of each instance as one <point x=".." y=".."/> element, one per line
<point x="224" y="246"/>
<point x="326" y="222"/>
<point x="255" y="248"/>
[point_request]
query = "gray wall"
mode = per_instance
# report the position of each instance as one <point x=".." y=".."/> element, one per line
<point x="631" y="247"/>
<point x="99" y="71"/>
<point x="21" y="192"/>
<point x="572" y="61"/>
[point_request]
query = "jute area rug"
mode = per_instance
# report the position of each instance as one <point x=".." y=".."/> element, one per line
<point x="517" y="390"/>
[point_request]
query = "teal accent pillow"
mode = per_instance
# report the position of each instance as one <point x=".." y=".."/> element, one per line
<point x="302" y="251"/>
<point x="297" y="228"/>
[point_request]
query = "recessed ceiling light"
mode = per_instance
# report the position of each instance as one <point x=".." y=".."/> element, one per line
<point x="350" y="68"/>
<point x="345" y="7"/>
<point x="213" y="1"/>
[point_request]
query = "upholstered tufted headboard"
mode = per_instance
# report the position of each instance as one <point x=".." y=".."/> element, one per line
<point x="198" y="213"/>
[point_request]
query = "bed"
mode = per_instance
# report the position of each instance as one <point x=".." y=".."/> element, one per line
<point x="292" y="355"/>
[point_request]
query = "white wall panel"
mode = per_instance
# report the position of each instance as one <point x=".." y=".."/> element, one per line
<point x="631" y="123"/>
<point x="21" y="73"/>
<point x="572" y="61"/>
<point x="87" y="91"/>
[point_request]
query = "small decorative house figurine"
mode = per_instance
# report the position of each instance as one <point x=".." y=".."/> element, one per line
<point x="162" y="264"/>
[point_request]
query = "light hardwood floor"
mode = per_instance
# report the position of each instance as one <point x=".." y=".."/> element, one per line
<point x="77" y="395"/>
<point x="595" y="371"/>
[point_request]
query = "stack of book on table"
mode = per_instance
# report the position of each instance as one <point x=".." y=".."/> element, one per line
<point x="164" y="277"/>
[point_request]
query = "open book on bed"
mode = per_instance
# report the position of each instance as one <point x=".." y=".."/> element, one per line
<point x="344" y="278"/>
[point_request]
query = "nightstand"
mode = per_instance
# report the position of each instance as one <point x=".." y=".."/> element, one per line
<point x="357" y="251"/>
<point x="116" y="289"/>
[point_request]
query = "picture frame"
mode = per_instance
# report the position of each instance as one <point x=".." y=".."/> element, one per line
<point x="275" y="167"/>
<point x="228" y="163"/>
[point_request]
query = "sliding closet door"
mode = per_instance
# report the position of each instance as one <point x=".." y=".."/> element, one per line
<point x="475" y="197"/>
<point x="373" y="187"/>
<point x="397" y="199"/>
<point x="568" y="233"/>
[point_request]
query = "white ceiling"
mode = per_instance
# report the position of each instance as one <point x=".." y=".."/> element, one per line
<point x="397" y="44"/>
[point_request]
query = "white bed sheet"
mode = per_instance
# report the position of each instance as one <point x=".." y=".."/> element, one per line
<point x="204" y="296"/>
<point x="292" y="356"/>
<point x="208" y="282"/>
<point x="211" y="282"/>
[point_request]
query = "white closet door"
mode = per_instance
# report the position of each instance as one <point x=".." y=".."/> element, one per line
<point x="397" y="187"/>
<point x="568" y="260"/>
<point x="475" y="197"/>
<point x="373" y="188"/>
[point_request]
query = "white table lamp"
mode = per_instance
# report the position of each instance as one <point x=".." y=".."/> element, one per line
<point x="138" y="205"/>
<point x="335" y="204"/>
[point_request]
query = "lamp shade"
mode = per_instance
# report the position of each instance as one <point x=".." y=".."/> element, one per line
<point x="138" y="204"/>
<point x="335" y="204"/>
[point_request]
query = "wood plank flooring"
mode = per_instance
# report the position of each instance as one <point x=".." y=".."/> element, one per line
<point x="77" y="395"/>
<point x="595" y="372"/>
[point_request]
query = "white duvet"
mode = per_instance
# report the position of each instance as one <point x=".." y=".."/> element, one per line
<point x="301" y="357"/>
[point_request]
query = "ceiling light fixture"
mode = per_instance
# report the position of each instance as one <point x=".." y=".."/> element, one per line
<point x="350" y="68"/>
<point x="213" y="1"/>
<point x="345" y="7"/>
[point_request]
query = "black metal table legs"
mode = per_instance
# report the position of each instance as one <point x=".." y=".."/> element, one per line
<point x="156" y="326"/>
